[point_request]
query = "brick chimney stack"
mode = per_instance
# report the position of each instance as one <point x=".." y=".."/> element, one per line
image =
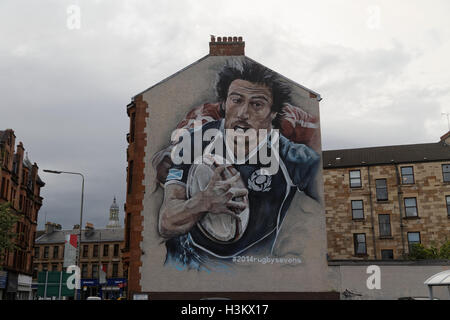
<point x="226" y="46"/>
<point x="446" y="138"/>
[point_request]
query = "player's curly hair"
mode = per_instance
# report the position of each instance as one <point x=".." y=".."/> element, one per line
<point x="253" y="72"/>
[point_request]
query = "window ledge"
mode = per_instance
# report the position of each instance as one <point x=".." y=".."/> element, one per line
<point x="411" y="218"/>
<point x="383" y="201"/>
<point x="361" y="255"/>
<point x="386" y="237"/>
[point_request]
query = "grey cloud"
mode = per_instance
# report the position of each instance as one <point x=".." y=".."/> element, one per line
<point x="65" y="91"/>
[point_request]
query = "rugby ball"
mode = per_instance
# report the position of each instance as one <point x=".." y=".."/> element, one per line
<point x="221" y="228"/>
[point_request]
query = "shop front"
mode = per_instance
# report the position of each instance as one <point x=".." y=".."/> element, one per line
<point x="89" y="288"/>
<point x="113" y="289"/>
<point x="24" y="287"/>
<point x="11" y="287"/>
<point x="3" y="283"/>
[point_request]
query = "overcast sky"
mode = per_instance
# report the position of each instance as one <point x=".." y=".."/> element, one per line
<point x="382" y="68"/>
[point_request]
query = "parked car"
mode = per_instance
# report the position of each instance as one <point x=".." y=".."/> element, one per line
<point x="94" y="298"/>
<point x="416" y="298"/>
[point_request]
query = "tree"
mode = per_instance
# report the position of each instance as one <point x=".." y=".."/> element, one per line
<point x="7" y="235"/>
<point x="419" y="252"/>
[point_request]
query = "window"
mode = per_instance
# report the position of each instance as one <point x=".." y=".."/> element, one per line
<point x="56" y="252"/>
<point x="410" y="207"/>
<point x="381" y="186"/>
<point x="132" y="126"/>
<point x="128" y="231"/>
<point x="36" y="252"/>
<point x="84" y="269"/>
<point x="2" y="192"/>
<point x="46" y="252"/>
<point x="54" y="267"/>
<point x="407" y="175"/>
<point x="359" y="240"/>
<point x="446" y="172"/>
<point x="105" y="250"/>
<point x="116" y="250"/>
<point x="85" y="251"/>
<point x="413" y="238"/>
<point x="95" y="252"/>
<point x="21" y="203"/>
<point x="130" y="177"/>
<point x="448" y="205"/>
<point x="355" y="179"/>
<point x="384" y="221"/>
<point x="115" y="270"/>
<point x="45" y="267"/>
<point x="387" y="254"/>
<point x="95" y="271"/>
<point x="357" y="209"/>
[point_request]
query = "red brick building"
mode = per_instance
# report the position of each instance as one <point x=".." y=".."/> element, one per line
<point x="137" y="112"/>
<point x="20" y="185"/>
<point x="153" y="114"/>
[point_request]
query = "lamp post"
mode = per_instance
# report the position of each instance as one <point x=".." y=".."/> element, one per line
<point x="78" y="262"/>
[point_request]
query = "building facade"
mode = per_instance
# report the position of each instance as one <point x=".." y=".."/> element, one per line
<point x="382" y="200"/>
<point x="177" y="103"/>
<point x="20" y="185"/>
<point x="101" y="252"/>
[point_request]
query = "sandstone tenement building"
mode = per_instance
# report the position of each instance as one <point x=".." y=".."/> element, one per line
<point x="381" y="200"/>
<point x="101" y="250"/>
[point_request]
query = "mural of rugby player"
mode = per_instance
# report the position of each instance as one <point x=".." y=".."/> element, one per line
<point x="213" y="213"/>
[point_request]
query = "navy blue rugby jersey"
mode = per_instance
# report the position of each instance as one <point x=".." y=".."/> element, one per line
<point x="269" y="199"/>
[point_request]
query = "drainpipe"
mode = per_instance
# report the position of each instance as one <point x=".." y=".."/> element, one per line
<point x="400" y="199"/>
<point x="371" y="215"/>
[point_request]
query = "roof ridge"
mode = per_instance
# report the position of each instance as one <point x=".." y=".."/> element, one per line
<point x="386" y="146"/>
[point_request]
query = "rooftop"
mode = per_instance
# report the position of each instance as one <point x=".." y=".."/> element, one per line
<point x="95" y="235"/>
<point x="424" y="152"/>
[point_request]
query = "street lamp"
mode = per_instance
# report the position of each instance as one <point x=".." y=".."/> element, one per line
<point x="81" y="213"/>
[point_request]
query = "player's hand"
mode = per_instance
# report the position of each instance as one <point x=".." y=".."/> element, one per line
<point x="219" y="194"/>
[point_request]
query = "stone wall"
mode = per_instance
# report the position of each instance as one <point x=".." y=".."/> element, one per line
<point x="429" y="189"/>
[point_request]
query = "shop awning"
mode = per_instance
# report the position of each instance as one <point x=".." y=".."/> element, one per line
<point x="439" y="279"/>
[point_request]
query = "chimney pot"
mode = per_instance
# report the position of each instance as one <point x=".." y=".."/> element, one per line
<point x="227" y="46"/>
<point x="50" y="227"/>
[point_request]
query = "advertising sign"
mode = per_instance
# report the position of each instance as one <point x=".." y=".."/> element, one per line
<point x="70" y="250"/>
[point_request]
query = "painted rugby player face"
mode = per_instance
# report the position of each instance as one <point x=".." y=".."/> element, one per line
<point x="248" y="105"/>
